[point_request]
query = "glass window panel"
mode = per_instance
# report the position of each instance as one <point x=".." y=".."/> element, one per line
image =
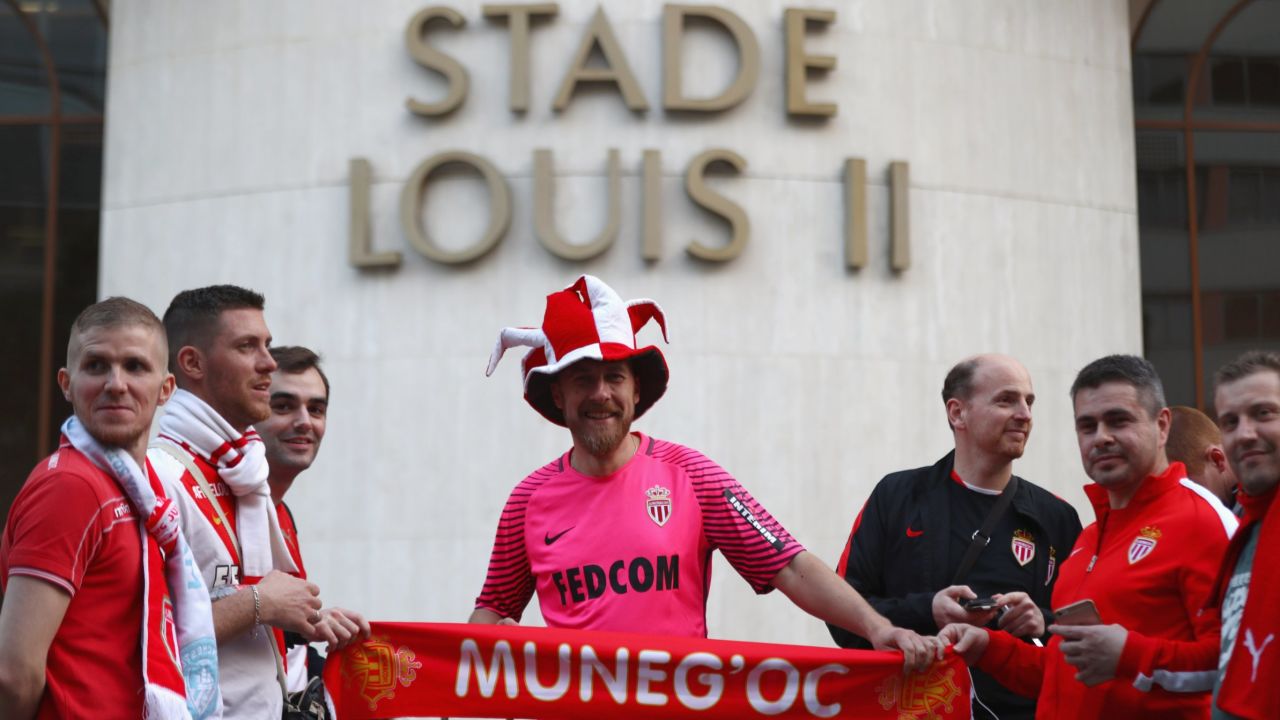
<point x="1243" y="75"/>
<point x="1159" y="79"/>
<point x="79" y="190"/>
<point x="1245" y="195"/>
<point x="1238" y="258"/>
<point x="1228" y="81"/>
<point x="22" y="227"/>
<point x="1164" y="255"/>
<point x="78" y="42"/>
<point x="1270" y="317"/>
<point x="80" y="184"/>
<point x="24" y="88"/>
<point x="1240" y="321"/>
<point x="24" y="149"/>
<point x="1270" y="191"/>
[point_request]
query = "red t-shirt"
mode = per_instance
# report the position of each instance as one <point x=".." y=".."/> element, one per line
<point x="72" y="526"/>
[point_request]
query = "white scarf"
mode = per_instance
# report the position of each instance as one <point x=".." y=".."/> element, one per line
<point x="241" y="462"/>
<point x="191" y="693"/>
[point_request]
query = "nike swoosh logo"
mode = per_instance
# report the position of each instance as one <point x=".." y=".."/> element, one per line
<point x="1073" y="552"/>
<point x="549" y="538"/>
<point x="914" y="533"/>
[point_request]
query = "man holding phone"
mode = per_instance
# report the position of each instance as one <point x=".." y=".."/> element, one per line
<point x="965" y="540"/>
<point x="1146" y="566"/>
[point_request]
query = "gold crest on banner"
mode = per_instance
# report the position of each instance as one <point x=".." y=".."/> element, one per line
<point x="378" y="669"/>
<point x="920" y="696"/>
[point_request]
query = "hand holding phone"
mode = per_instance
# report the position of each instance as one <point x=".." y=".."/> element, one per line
<point x="1083" y="612"/>
<point x="980" y="603"/>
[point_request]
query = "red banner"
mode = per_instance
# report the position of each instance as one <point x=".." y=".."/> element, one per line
<point x="458" y="670"/>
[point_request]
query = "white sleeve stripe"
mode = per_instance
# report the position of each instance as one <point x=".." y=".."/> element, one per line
<point x="47" y="577"/>
<point x="1229" y="521"/>
<point x="1198" y="681"/>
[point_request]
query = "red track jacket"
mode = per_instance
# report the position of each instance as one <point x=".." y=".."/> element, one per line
<point x="1249" y="687"/>
<point x="1156" y="561"/>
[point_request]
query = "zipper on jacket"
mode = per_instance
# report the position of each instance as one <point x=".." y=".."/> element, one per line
<point x="1097" y="550"/>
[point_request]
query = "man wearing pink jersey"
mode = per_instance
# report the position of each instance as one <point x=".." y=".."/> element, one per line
<point x="617" y="533"/>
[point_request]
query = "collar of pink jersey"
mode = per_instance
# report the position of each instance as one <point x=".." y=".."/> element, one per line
<point x="567" y="459"/>
<point x="1152" y="487"/>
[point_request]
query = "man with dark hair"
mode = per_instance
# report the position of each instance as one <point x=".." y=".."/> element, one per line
<point x="213" y="464"/>
<point x="1247" y="400"/>
<point x="617" y="533"/>
<point x="1196" y="442"/>
<point x="1146" y="566"/>
<point x="932" y="538"/>
<point x="101" y="616"/>
<point x="292" y="435"/>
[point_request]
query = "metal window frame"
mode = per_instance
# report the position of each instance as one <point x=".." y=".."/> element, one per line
<point x="1189" y="124"/>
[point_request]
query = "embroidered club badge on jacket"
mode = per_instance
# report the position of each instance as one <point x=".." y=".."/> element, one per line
<point x="658" y="505"/>
<point x="1144" y="543"/>
<point x="1024" y="546"/>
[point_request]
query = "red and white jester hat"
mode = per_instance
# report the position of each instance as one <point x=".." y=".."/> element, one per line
<point x="586" y="320"/>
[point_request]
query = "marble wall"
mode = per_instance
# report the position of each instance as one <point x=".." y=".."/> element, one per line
<point x="230" y="127"/>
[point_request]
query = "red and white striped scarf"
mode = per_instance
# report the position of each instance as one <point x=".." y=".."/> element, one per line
<point x="240" y="459"/>
<point x="179" y="649"/>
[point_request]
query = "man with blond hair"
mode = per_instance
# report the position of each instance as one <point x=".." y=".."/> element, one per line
<point x="102" y="612"/>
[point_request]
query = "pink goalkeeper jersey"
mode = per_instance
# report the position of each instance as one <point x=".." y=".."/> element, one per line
<point x="631" y="551"/>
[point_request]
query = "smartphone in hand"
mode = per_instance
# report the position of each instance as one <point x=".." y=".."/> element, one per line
<point x="1083" y="612"/>
<point x="980" y="603"/>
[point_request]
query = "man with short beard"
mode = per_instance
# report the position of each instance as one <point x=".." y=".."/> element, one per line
<point x="213" y="464"/>
<point x="918" y="549"/>
<point x="292" y="436"/>
<point x="1147" y="565"/>
<point x="1247" y="400"/>
<point x="102" y="612"/>
<point x="617" y="533"/>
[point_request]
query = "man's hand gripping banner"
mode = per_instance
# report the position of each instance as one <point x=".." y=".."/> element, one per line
<point x="457" y="670"/>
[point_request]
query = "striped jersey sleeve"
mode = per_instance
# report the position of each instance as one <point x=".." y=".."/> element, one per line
<point x="753" y="542"/>
<point x="509" y="584"/>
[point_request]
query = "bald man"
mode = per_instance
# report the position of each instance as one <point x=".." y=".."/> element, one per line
<point x="930" y="539"/>
<point x="1196" y="441"/>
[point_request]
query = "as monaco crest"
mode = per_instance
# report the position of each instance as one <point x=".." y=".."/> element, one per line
<point x="658" y="505"/>
<point x="1144" y="543"/>
<point x="1024" y="546"/>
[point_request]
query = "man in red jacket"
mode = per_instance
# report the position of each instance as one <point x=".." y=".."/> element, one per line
<point x="1147" y="564"/>
<point x="1248" y="405"/>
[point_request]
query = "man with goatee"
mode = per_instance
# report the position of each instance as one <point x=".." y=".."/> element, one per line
<point x="617" y="533"/>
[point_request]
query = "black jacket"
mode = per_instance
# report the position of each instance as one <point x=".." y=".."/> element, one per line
<point x="899" y="574"/>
